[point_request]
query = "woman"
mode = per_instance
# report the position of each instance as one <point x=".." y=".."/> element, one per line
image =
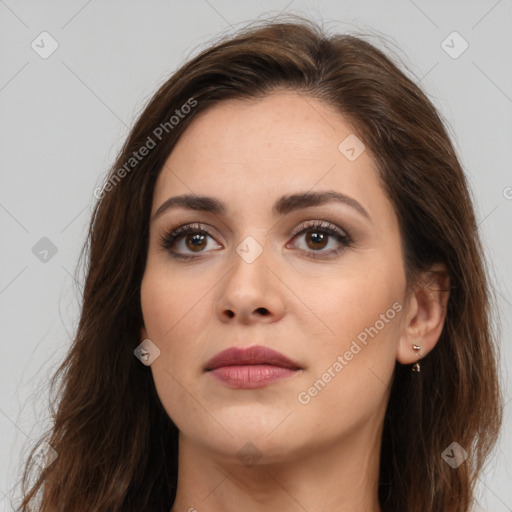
<point x="286" y="286"/>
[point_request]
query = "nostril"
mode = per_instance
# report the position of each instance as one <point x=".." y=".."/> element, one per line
<point x="263" y="311"/>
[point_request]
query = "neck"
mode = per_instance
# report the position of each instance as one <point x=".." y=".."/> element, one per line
<point x="341" y="478"/>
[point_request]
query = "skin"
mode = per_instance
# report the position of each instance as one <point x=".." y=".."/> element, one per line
<point x="323" y="455"/>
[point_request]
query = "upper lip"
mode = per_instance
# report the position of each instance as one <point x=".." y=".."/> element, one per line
<point x="256" y="354"/>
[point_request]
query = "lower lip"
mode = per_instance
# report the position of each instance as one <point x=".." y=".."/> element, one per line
<point x="251" y="376"/>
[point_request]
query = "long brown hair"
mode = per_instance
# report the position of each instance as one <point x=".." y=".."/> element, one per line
<point x="116" y="445"/>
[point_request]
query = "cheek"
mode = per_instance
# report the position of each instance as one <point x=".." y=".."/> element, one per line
<point x="353" y="299"/>
<point x="174" y="315"/>
<point x="175" y="309"/>
<point x="170" y="296"/>
<point x="355" y="352"/>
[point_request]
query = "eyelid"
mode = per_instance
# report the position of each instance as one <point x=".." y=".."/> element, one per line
<point x="174" y="234"/>
<point x="344" y="239"/>
<point x="319" y="224"/>
<point x="177" y="232"/>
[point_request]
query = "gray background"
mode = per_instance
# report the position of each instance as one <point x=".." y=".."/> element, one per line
<point x="65" y="117"/>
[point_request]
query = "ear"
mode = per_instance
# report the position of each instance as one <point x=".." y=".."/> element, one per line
<point x="425" y="314"/>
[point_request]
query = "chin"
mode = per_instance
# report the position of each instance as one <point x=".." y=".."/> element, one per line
<point x="252" y="436"/>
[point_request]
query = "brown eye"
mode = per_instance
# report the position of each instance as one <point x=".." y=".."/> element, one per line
<point x="183" y="241"/>
<point x="316" y="240"/>
<point x="320" y="234"/>
<point x="196" y="242"/>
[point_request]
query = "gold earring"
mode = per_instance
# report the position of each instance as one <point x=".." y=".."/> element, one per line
<point x="416" y="367"/>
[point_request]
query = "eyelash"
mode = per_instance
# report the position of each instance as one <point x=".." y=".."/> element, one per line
<point x="169" y="238"/>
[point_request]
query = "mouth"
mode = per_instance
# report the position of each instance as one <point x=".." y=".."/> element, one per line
<point x="251" y="367"/>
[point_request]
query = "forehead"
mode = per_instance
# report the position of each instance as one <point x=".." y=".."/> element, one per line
<point x="281" y="125"/>
<point x="259" y="149"/>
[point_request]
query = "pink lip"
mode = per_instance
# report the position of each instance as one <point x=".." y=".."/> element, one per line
<point x="250" y="367"/>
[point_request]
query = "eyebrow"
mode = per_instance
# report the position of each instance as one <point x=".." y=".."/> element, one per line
<point x="282" y="206"/>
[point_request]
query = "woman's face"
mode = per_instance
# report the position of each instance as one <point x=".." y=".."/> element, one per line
<point x="265" y="270"/>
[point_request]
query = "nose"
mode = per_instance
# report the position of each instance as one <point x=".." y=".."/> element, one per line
<point x="251" y="291"/>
